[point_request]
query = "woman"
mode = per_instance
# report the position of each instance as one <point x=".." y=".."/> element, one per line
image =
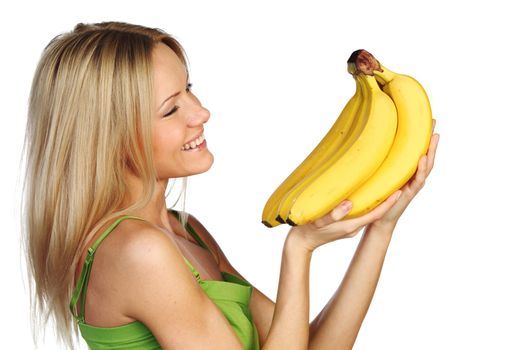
<point x="111" y="119"/>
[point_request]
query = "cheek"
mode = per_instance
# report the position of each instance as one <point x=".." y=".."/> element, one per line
<point x="166" y="141"/>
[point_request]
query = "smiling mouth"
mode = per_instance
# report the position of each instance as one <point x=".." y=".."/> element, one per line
<point x="195" y="144"/>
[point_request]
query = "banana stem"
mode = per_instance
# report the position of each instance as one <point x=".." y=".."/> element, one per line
<point x="363" y="62"/>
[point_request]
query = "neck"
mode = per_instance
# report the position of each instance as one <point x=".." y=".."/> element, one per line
<point x="156" y="210"/>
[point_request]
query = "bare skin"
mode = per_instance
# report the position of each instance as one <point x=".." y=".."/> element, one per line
<point x="139" y="272"/>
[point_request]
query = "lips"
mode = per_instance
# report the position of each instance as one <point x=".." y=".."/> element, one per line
<point x="195" y="138"/>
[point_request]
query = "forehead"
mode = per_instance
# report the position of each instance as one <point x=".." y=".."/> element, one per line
<point x="168" y="71"/>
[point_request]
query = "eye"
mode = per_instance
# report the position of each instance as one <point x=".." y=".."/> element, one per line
<point x="173" y="110"/>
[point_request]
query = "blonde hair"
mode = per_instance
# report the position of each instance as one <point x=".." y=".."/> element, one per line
<point x="89" y="119"/>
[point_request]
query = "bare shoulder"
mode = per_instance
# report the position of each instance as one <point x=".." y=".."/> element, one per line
<point x="203" y="233"/>
<point x="141" y="251"/>
<point x="136" y="250"/>
<point x="157" y="288"/>
<point x="129" y="251"/>
<point x="137" y="239"/>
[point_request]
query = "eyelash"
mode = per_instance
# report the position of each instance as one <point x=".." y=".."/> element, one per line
<point x="174" y="109"/>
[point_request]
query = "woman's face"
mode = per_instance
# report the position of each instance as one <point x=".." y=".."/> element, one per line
<point x="178" y="119"/>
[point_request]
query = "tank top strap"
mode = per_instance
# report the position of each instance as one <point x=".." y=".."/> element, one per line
<point x="192" y="232"/>
<point x="193" y="269"/>
<point x="80" y="288"/>
<point x="108" y="231"/>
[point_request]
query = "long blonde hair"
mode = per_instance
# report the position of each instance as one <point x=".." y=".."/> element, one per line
<point x="89" y="119"/>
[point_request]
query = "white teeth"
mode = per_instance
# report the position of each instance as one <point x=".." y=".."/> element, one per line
<point x="193" y="144"/>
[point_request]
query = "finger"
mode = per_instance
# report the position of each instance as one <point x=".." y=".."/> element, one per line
<point x="432" y="152"/>
<point x="421" y="174"/>
<point x="433" y="124"/>
<point x="351" y="225"/>
<point x="336" y="214"/>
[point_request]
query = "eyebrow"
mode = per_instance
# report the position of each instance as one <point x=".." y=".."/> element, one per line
<point x="171" y="96"/>
<point x="175" y="94"/>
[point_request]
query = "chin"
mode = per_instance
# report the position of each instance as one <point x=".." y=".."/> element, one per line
<point x="202" y="167"/>
<point x="208" y="164"/>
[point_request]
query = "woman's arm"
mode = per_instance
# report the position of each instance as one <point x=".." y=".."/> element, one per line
<point x="289" y="326"/>
<point x="337" y="325"/>
<point x="156" y="288"/>
<point x="286" y="324"/>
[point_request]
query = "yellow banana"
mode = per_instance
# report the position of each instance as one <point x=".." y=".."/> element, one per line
<point x="414" y="129"/>
<point x="319" y="155"/>
<point x="353" y="165"/>
<point x="358" y="118"/>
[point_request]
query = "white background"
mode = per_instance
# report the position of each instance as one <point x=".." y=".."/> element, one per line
<point x="274" y="76"/>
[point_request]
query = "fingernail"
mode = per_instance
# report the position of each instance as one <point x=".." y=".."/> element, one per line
<point x="347" y="205"/>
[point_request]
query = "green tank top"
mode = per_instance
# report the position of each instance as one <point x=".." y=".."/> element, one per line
<point x="232" y="297"/>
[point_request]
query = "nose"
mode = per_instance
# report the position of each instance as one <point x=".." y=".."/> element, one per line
<point x="199" y="115"/>
<point x="202" y="115"/>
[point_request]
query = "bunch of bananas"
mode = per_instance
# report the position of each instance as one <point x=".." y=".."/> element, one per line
<point x="370" y="152"/>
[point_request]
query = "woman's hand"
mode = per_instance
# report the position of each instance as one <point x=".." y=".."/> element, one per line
<point x="413" y="186"/>
<point x="329" y="227"/>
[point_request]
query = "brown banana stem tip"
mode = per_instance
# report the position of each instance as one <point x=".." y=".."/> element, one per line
<point x="364" y="62"/>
